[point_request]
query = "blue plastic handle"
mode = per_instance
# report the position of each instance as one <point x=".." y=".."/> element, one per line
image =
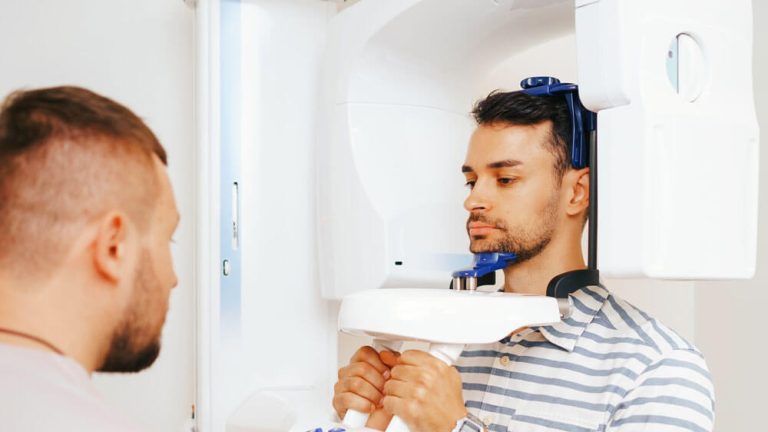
<point x="484" y="263"/>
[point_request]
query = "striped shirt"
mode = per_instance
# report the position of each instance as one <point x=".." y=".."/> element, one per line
<point x="608" y="367"/>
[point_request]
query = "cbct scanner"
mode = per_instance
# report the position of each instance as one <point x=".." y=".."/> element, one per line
<point x="676" y="143"/>
<point x="660" y="74"/>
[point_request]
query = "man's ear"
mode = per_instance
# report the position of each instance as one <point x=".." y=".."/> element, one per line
<point x="577" y="182"/>
<point x="111" y="248"/>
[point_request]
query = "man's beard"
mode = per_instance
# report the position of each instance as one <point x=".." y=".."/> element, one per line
<point x="524" y="242"/>
<point x="124" y="353"/>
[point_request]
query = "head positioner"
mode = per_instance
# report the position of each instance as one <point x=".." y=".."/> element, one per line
<point x="583" y="121"/>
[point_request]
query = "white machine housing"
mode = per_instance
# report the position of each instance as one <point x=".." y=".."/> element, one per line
<point x="678" y="173"/>
<point x="677" y="167"/>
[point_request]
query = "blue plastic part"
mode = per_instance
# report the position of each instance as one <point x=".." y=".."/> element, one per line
<point x="336" y="429"/>
<point x="583" y="121"/>
<point x="485" y="263"/>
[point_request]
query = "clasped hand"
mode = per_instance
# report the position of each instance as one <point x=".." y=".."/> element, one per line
<point x="415" y="386"/>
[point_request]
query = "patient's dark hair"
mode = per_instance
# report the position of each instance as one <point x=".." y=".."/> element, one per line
<point x="67" y="156"/>
<point x="518" y="108"/>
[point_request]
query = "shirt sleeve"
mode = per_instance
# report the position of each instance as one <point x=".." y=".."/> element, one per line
<point x="674" y="394"/>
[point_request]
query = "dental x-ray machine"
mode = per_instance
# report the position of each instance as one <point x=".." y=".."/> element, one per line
<point x="671" y="83"/>
<point x="656" y="72"/>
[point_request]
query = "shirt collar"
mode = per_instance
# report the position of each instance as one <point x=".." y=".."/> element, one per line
<point x="586" y="303"/>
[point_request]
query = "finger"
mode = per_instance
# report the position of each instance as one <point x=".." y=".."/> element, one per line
<point x="420" y="358"/>
<point x="360" y="387"/>
<point x="389" y="358"/>
<point x="379" y="420"/>
<point x="371" y="356"/>
<point x="402" y="408"/>
<point x="405" y="390"/>
<point x="408" y="373"/>
<point x="343" y="402"/>
<point x="366" y="372"/>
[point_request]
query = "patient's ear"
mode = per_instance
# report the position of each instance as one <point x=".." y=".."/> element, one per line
<point x="111" y="246"/>
<point x="577" y="183"/>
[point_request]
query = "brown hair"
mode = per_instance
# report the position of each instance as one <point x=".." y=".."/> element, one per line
<point x="68" y="155"/>
<point x="519" y="108"/>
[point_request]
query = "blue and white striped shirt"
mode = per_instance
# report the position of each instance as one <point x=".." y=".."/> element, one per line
<point x="608" y="367"/>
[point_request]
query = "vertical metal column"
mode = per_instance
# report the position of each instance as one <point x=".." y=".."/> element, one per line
<point x="231" y="266"/>
<point x="592" y="253"/>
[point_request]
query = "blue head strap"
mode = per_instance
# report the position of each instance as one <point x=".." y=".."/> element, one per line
<point x="583" y="121"/>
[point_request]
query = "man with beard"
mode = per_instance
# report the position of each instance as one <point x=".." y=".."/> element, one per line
<point x="86" y="217"/>
<point x="607" y="367"/>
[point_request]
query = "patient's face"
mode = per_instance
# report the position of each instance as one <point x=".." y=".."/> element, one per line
<point x="136" y="341"/>
<point x="513" y="202"/>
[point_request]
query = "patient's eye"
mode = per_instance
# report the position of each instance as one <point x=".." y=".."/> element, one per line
<point x="506" y="181"/>
<point x="470" y="184"/>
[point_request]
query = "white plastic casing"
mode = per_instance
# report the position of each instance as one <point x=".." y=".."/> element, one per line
<point x="677" y="179"/>
<point x="398" y="88"/>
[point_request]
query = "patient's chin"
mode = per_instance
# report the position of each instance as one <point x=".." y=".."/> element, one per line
<point x="481" y="244"/>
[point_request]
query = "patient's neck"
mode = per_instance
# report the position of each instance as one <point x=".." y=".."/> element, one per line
<point x="533" y="275"/>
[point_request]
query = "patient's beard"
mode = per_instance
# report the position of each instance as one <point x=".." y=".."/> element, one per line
<point x="525" y="242"/>
<point x="128" y="352"/>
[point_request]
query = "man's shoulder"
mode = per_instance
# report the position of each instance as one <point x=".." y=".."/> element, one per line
<point x="666" y="361"/>
<point x="671" y="365"/>
<point x="623" y="319"/>
<point x="33" y="379"/>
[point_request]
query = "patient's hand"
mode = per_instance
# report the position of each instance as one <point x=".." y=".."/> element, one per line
<point x="360" y="386"/>
<point x="379" y="419"/>
<point x="423" y="391"/>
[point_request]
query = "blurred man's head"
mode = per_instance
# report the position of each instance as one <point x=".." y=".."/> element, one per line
<point x="84" y="192"/>
<point x="524" y="191"/>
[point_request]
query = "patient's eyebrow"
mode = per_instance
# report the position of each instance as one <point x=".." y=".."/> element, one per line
<point x="508" y="163"/>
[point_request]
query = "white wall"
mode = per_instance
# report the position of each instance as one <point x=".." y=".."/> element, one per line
<point x="729" y="315"/>
<point x="139" y="52"/>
